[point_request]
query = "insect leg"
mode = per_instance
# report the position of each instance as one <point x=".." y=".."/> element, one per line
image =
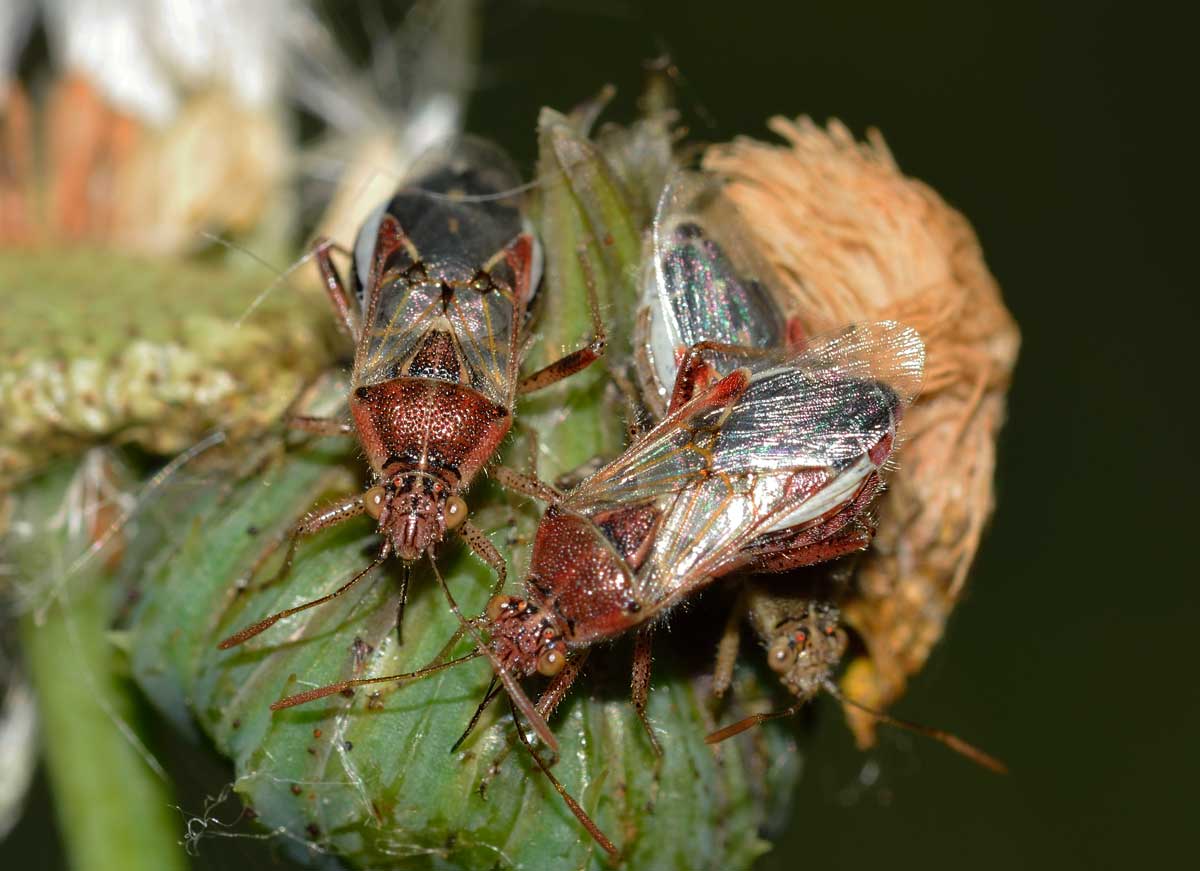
<point x="576" y="361"/>
<point x="494" y="689"/>
<point x="530" y="486"/>
<point x="727" y="647"/>
<point x="266" y="623"/>
<point x="486" y="551"/>
<point x="576" y="808"/>
<point x="641" y="684"/>
<point x="347" y="317"/>
<point x="321" y="426"/>
<point x="696" y="376"/>
<point x="314" y="521"/>
<point x="547" y="704"/>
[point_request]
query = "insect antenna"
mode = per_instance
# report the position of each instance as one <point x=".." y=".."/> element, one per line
<point x="267" y="622"/>
<point x="334" y="688"/>
<point x="280" y="275"/>
<point x="493" y="690"/>
<point x="576" y="808"/>
<point x="949" y="739"/>
<point x="515" y="693"/>
<point x="405" y="577"/>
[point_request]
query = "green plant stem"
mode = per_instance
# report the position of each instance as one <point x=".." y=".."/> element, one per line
<point x="114" y="811"/>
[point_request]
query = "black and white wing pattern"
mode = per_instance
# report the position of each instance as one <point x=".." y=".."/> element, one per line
<point x="786" y="439"/>
<point x="704" y="282"/>
<point x="449" y="251"/>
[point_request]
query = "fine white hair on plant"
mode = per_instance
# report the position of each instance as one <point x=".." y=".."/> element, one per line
<point x="410" y="98"/>
<point x="143" y="55"/>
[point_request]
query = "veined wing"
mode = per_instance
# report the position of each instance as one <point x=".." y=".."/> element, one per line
<point x="790" y="445"/>
<point x="826" y="406"/>
<point x="448" y="251"/>
<point x="705" y="282"/>
<point x="821" y="408"/>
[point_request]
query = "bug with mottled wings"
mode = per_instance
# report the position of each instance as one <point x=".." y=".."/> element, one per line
<point x="442" y="276"/>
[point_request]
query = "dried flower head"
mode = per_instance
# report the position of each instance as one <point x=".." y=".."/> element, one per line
<point x="853" y="239"/>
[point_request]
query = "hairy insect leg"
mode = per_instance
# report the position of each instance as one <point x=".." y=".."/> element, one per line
<point x="547" y="704"/>
<point x="321" y="518"/>
<point x="486" y="551"/>
<point x="266" y="623"/>
<point x="697" y="376"/>
<point x="727" y="647"/>
<point x="579" y="360"/>
<point x="576" y="807"/>
<point x="335" y="287"/>
<point x="314" y="521"/>
<point x="529" y="486"/>
<point x="640" y="684"/>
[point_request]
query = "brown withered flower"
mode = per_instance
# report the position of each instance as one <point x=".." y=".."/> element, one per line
<point x="852" y="240"/>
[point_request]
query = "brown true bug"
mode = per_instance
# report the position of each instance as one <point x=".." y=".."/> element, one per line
<point x="805" y="643"/>
<point x="771" y="461"/>
<point x="442" y="276"/>
<point x="764" y="465"/>
<point x="697" y="294"/>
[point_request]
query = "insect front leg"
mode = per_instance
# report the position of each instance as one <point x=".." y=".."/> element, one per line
<point x="547" y="704"/>
<point x="486" y="551"/>
<point x="530" y="486"/>
<point x="314" y="521"/>
<point x="335" y="287"/>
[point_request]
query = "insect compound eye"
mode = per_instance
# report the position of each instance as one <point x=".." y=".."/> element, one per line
<point x="497" y="607"/>
<point x="550" y="662"/>
<point x="374" y="500"/>
<point x="455" y="512"/>
<point x="781" y="654"/>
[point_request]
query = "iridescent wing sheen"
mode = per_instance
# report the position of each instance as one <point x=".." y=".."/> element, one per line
<point x="827" y="405"/>
<point x="792" y="446"/>
<point x="445" y="253"/>
<point x="704" y="283"/>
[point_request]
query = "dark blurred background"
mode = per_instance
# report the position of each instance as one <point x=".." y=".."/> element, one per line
<point x="1057" y="130"/>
